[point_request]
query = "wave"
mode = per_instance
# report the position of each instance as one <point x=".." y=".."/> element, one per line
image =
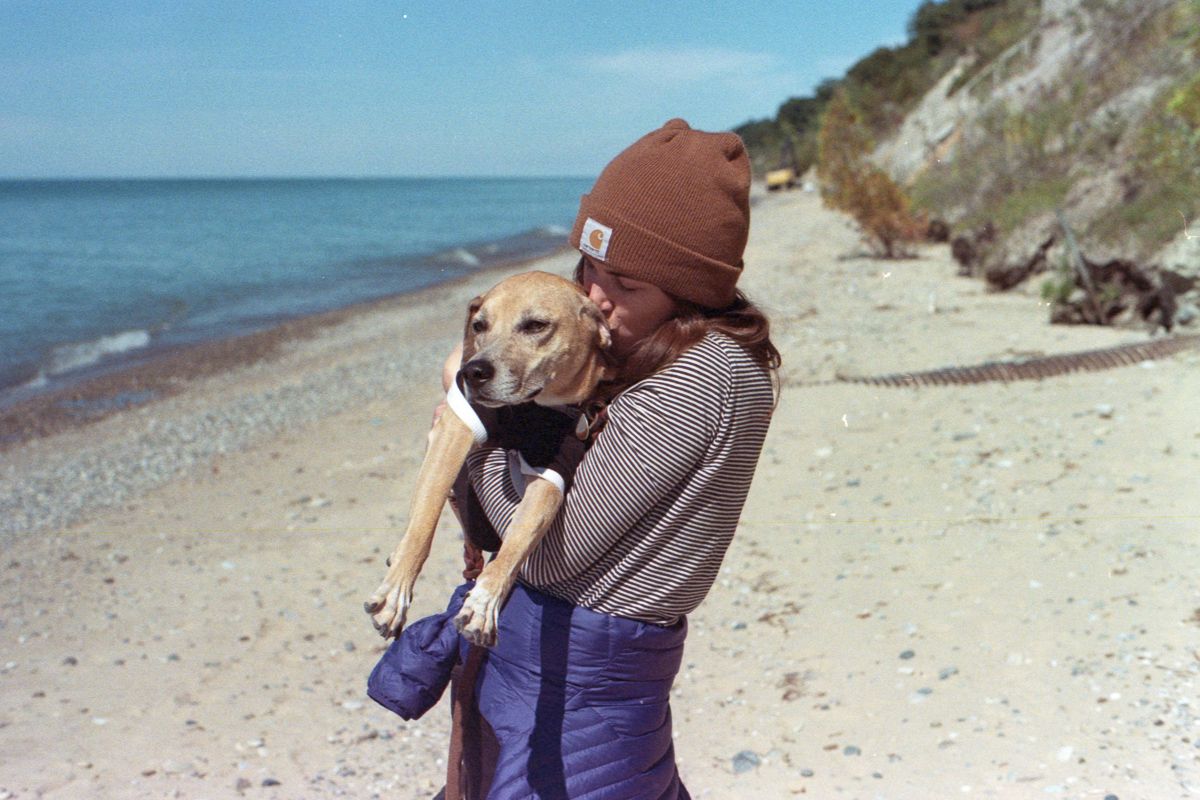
<point x="459" y="255"/>
<point x="77" y="355"/>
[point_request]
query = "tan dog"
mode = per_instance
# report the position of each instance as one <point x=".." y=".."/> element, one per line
<point x="533" y="337"/>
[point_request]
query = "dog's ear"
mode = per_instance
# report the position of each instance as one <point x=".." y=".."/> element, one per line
<point x="603" y="334"/>
<point x="468" y="335"/>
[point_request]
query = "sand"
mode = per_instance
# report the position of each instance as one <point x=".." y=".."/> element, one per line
<point x="980" y="591"/>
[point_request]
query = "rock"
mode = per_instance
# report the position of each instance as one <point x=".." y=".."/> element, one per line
<point x="906" y="655"/>
<point x="851" y="750"/>
<point x="745" y="761"/>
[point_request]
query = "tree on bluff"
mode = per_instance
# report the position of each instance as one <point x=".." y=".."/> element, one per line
<point x="852" y="184"/>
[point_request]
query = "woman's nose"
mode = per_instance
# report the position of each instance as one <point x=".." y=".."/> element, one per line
<point x="597" y="296"/>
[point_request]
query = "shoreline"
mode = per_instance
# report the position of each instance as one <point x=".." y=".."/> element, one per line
<point x="222" y="397"/>
<point x="163" y="374"/>
<point x="159" y="277"/>
<point x="977" y="591"/>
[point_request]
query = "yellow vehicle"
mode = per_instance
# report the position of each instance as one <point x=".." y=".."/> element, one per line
<point x="784" y="178"/>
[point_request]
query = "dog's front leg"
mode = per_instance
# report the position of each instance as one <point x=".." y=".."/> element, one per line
<point x="478" y="619"/>
<point x="449" y="442"/>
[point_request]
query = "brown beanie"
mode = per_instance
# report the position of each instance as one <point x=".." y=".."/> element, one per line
<point x="673" y="210"/>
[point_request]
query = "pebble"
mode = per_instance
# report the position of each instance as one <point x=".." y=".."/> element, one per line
<point x="920" y="695"/>
<point x="906" y="655"/>
<point x="851" y="750"/>
<point x="745" y="761"/>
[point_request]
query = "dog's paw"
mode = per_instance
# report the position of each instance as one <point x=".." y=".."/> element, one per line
<point x="477" y="620"/>
<point x="388" y="608"/>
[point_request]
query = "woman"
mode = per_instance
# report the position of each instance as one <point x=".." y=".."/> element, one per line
<point x="576" y="691"/>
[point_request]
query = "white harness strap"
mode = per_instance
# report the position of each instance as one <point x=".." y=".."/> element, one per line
<point x="518" y="467"/>
<point x="462" y="409"/>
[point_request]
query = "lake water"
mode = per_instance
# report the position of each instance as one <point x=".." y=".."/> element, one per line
<point x="97" y="273"/>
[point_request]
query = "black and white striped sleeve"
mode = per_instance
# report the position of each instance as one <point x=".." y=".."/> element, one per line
<point x="657" y="433"/>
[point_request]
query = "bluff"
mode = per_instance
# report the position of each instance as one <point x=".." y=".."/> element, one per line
<point x="1025" y="120"/>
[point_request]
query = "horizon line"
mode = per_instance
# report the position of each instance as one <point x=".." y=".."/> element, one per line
<point x="80" y="178"/>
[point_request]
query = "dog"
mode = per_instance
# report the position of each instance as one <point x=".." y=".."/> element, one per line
<point x="534" y="337"/>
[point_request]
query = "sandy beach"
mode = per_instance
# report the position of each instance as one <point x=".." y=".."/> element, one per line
<point x="978" y="591"/>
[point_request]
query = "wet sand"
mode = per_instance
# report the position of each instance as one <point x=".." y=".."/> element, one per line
<point x="979" y="591"/>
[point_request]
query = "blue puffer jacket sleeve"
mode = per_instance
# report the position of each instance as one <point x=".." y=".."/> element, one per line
<point x="414" y="671"/>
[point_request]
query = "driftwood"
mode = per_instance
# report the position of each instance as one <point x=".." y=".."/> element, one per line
<point x="1095" y="293"/>
<point x="938" y="231"/>
<point x="1115" y="290"/>
<point x="968" y="249"/>
<point x="1004" y="277"/>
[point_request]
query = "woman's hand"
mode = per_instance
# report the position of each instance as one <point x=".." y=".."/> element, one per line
<point x="472" y="561"/>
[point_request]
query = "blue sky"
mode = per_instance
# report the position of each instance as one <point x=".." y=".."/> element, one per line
<point x="399" y="87"/>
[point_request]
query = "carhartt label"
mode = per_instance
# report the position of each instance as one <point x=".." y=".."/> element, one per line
<point x="594" y="239"/>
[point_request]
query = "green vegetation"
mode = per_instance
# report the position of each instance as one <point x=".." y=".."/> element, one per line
<point x="1019" y="164"/>
<point x="890" y="81"/>
<point x="1163" y="195"/>
<point x="1094" y="141"/>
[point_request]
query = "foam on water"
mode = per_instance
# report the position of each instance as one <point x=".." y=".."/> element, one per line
<point x="78" y="355"/>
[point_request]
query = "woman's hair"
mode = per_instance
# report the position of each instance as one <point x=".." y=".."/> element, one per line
<point x="741" y="321"/>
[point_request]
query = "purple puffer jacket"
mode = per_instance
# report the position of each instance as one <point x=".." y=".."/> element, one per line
<point x="579" y="702"/>
<point x="412" y="674"/>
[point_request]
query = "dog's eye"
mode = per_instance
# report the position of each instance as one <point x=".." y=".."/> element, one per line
<point x="534" y="326"/>
<point x="479" y="325"/>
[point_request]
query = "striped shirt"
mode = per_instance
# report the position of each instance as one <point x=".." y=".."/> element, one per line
<point x="655" y="502"/>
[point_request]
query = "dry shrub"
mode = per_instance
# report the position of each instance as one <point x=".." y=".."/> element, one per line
<point x="852" y="184"/>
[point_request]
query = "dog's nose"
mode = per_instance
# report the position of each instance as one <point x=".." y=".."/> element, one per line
<point x="478" y="372"/>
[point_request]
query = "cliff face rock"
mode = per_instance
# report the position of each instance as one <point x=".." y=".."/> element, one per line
<point x="1068" y="118"/>
<point x="949" y="111"/>
<point x="930" y="131"/>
